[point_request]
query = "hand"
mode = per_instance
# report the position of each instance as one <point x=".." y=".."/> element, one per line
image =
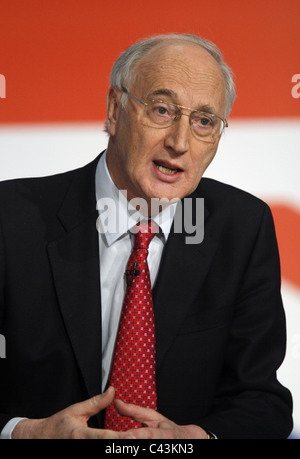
<point x="156" y="425"/>
<point x="72" y="423"/>
<point x="68" y="423"/>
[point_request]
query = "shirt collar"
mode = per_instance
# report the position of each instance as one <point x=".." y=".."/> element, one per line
<point x="116" y="216"/>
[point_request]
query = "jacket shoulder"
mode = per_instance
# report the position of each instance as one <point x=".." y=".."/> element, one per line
<point x="42" y="189"/>
<point x="219" y="193"/>
<point x="232" y="207"/>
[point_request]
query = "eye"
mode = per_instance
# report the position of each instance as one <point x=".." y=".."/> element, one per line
<point x="202" y="121"/>
<point x="205" y="121"/>
<point x="161" y="110"/>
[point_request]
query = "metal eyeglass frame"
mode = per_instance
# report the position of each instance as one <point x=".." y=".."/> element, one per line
<point x="180" y="107"/>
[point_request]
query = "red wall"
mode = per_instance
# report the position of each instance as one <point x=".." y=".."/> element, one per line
<point x="56" y="54"/>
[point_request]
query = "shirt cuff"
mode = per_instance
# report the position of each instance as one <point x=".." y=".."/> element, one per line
<point x="9" y="427"/>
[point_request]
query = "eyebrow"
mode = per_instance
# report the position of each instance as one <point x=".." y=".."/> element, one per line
<point x="169" y="93"/>
<point x="163" y="92"/>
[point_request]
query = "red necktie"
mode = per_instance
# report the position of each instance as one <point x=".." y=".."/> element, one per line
<point x="133" y="367"/>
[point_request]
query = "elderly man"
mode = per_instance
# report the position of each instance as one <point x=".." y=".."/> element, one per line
<point x="188" y="345"/>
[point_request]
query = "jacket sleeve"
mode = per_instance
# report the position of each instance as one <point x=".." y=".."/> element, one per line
<point x="251" y="403"/>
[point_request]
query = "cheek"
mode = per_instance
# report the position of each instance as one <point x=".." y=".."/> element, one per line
<point x="139" y="156"/>
<point x="201" y="160"/>
<point x="209" y="157"/>
<point x="147" y="142"/>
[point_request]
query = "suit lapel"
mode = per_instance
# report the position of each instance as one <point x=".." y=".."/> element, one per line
<point x="74" y="260"/>
<point x="182" y="272"/>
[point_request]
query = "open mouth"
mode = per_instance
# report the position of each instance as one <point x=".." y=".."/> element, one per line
<point x="167" y="168"/>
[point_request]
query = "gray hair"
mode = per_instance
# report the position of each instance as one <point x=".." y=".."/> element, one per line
<point x="122" y="72"/>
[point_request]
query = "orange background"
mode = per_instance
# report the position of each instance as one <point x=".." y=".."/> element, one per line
<point x="56" y="55"/>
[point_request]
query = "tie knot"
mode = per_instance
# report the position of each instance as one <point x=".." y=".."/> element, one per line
<point x="146" y="231"/>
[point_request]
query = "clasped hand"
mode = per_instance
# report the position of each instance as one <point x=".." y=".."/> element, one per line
<point x="72" y="422"/>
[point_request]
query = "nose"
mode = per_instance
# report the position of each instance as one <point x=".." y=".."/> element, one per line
<point x="177" y="136"/>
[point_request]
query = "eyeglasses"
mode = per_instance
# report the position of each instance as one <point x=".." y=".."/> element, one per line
<point x="205" y="126"/>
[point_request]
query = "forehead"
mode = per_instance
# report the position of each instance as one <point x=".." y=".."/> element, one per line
<point x="186" y="69"/>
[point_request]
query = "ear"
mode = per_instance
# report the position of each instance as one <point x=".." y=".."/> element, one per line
<point x="113" y="101"/>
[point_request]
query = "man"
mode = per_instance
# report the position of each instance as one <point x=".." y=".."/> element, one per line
<point x="219" y="321"/>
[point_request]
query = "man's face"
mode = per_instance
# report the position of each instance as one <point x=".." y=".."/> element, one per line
<point x="169" y="162"/>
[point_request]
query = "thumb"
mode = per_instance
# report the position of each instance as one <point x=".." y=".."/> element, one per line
<point x="93" y="405"/>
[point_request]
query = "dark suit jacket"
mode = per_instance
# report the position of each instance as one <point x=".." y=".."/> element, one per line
<point x="220" y="326"/>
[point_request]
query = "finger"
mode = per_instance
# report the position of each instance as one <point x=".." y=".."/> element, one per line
<point x="91" y="433"/>
<point x="147" y="433"/>
<point x="146" y="416"/>
<point x="93" y="405"/>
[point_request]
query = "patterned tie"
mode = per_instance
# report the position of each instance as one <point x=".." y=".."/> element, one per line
<point x="133" y="367"/>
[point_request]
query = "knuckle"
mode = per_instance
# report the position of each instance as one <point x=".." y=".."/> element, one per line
<point x="94" y="400"/>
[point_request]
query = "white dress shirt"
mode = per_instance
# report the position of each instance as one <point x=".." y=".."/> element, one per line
<point x="116" y="218"/>
<point x="115" y="247"/>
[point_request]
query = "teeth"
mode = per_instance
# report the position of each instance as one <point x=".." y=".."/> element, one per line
<point x="166" y="170"/>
